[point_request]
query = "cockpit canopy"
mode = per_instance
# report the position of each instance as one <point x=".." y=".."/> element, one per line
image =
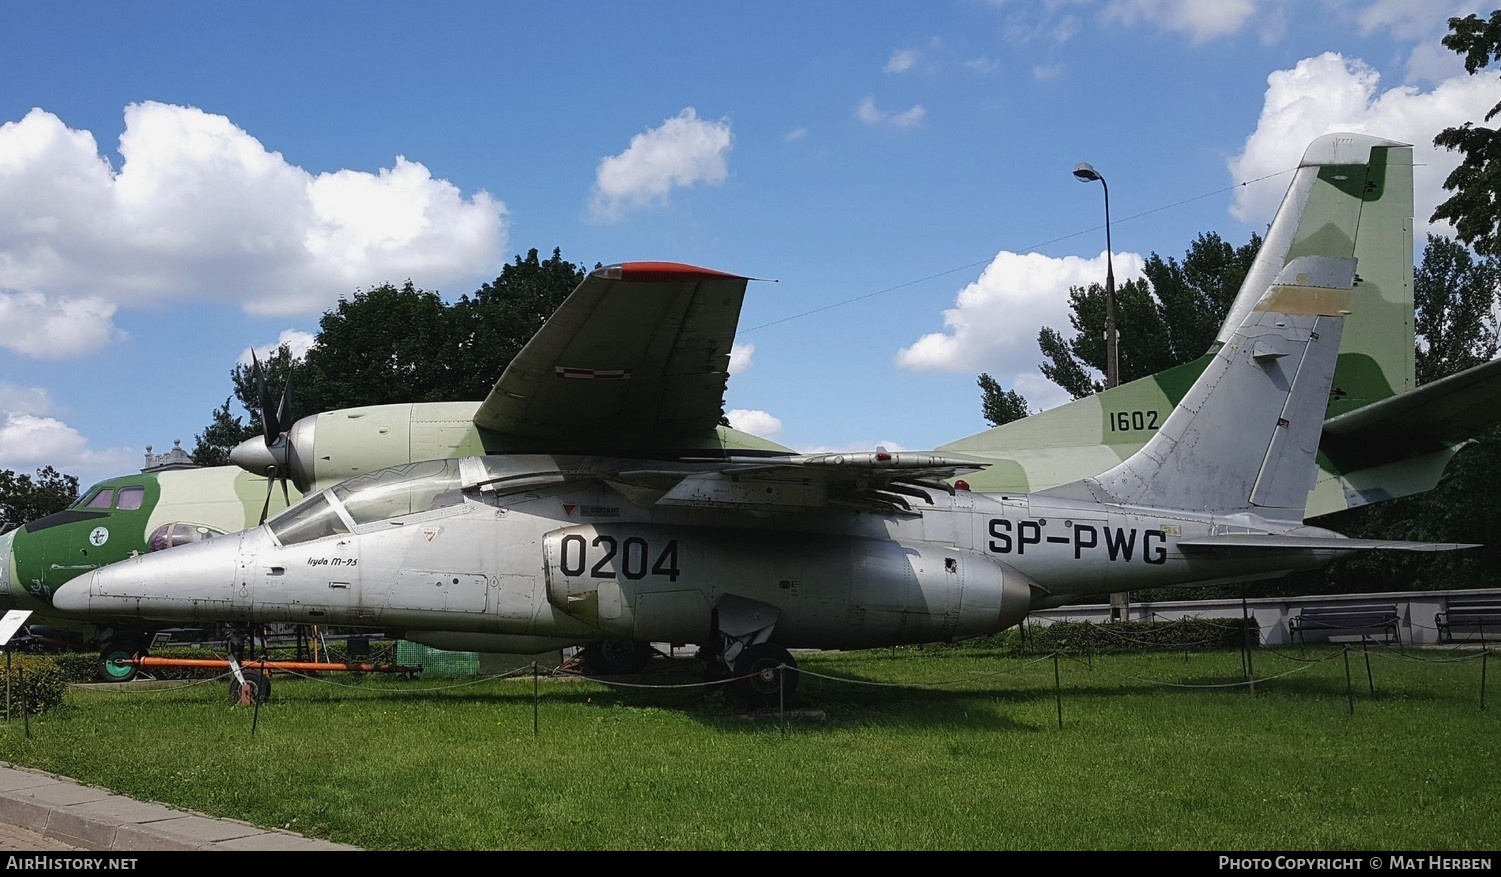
<point x="407" y="489"/>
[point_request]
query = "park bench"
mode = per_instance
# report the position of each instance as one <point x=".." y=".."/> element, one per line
<point x="1362" y="621"/>
<point x="1476" y="618"/>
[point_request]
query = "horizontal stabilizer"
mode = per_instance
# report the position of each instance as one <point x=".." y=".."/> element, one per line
<point x="1253" y="543"/>
<point x="1452" y="409"/>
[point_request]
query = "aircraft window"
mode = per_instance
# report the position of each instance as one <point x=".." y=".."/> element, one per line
<point x="178" y="533"/>
<point x="130" y="498"/>
<point x="101" y="500"/>
<point x="400" y="490"/>
<point x="313" y="518"/>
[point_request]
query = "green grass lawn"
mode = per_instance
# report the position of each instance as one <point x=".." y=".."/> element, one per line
<point x="888" y="749"/>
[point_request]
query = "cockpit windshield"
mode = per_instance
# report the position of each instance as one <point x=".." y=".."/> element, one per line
<point x="313" y="518"/>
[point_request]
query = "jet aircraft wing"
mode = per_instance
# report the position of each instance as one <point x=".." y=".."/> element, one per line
<point x="636" y="356"/>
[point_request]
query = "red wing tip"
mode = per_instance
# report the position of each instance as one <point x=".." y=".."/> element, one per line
<point x="658" y="271"/>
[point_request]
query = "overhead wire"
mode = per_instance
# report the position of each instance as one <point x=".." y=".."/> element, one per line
<point x="988" y="260"/>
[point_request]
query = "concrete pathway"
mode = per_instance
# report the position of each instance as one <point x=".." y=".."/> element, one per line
<point x="42" y="812"/>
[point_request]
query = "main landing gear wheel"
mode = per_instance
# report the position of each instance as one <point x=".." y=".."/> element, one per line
<point x="615" y="657"/>
<point x="256" y="689"/>
<point x="111" y="657"/>
<point x="766" y="675"/>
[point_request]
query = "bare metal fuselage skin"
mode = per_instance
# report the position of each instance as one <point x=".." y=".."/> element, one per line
<point x="575" y="562"/>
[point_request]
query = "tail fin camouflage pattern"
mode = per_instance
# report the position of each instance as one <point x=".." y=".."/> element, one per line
<point x="1350" y="198"/>
<point x="1243" y="439"/>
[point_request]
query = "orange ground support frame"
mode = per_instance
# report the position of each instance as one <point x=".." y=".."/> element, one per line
<point x="255" y="664"/>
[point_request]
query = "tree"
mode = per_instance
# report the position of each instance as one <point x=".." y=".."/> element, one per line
<point x="386" y="344"/>
<point x="220" y="437"/>
<point x="1165" y="319"/>
<point x="1000" y="406"/>
<point x="23" y="498"/>
<point x="494" y="324"/>
<point x="1455" y="299"/>
<point x="391" y="344"/>
<point x="1475" y="206"/>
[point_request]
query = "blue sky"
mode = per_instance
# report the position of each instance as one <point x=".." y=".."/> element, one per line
<point x="181" y="181"/>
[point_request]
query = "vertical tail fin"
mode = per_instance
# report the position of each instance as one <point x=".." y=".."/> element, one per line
<point x="1245" y="437"/>
<point x="1351" y="197"/>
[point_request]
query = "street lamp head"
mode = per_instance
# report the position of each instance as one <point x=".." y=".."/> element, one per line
<point x="1085" y="173"/>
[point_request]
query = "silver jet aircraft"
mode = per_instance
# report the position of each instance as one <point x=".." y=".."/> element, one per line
<point x="749" y="558"/>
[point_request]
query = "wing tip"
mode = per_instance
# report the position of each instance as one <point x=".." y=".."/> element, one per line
<point x="649" y="272"/>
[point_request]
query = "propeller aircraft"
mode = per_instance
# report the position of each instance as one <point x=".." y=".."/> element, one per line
<point x="118" y="518"/>
<point x="634" y="363"/>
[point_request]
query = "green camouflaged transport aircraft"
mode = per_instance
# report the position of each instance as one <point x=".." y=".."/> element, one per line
<point x="115" y="519"/>
<point x="1351" y="196"/>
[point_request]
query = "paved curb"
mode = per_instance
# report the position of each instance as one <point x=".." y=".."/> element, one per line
<point x="97" y="819"/>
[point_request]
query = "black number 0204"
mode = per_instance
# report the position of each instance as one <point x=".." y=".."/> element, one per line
<point x="628" y="556"/>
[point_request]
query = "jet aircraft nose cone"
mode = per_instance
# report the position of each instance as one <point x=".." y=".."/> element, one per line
<point x="253" y="456"/>
<point x="195" y="581"/>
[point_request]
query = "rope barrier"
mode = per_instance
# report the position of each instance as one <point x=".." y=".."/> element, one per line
<point x="561" y="673"/>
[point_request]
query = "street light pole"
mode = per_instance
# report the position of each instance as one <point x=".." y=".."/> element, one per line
<point x="1084" y="173"/>
<point x="1120" y="601"/>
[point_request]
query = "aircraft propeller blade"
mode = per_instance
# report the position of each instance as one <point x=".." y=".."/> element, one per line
<point x="270" y="486"/>
<point x="270" y="427"/>
<point x="284" y="410"/>
<point x="273" y="424"/>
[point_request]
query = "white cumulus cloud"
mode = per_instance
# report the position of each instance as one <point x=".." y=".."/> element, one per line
<point x="870" y="114"/>
<point x="31" y="437"/>
<point x="29" y="442"/>
<point x="901" y="60"/>
<point x="55" y="327"/>
<point x="199" y="209"/>
<point x="297" y="342"/>
<point x="1201" y="20"/>
<point x="755" y="422"/>
<point x="683" y="151"/>
<point x="740" y="357"/>
<point x="1330" y="93"/>
<point x="993" y="324"/>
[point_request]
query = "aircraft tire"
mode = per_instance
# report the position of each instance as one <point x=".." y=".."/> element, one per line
<point x="257" y="687"/>
<point x="615" y="657"/>
<point x="766" y="675"/>
<point x="109" y="668"/>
